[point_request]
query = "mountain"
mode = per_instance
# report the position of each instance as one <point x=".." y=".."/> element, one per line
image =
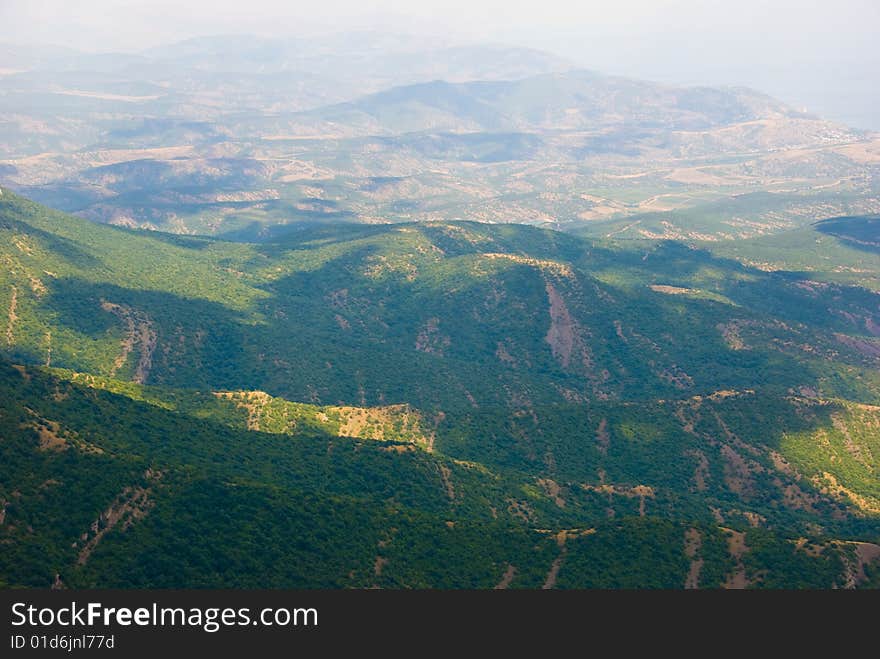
<point x="430" y="405"/>
<point x="358" y="59"/>
<point x="575" y="100"/>
<point x="240" y="137"/>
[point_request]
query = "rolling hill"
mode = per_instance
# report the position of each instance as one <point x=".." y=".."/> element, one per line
<point x="442" y="404"/>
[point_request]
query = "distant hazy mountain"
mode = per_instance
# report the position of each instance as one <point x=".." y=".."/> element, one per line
<point x="368" y="57"/>
<point x="346" y="65"/>
<point x="575" y="100"/>
<point x="238" y="135"/>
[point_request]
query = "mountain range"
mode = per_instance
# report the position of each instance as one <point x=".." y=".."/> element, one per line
<point x="242" y="136"/>
<point x="433" y="405"/>
<point x="368" y="310"/>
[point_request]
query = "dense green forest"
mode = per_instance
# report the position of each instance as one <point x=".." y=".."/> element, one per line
<point x="434" y="405"/>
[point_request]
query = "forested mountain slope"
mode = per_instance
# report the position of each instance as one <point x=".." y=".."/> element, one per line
<point x="438" y="404"/>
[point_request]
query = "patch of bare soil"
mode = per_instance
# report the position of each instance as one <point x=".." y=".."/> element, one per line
<point x="795" y="498"/>
<point x="132" y="504"/>
<point x="641" y="492"/>
<point x="506" y="578"/>
<point x="603" y="438"/>
<point x="554" y="267"/>
<point x="11" y="318"/>
<point x="737" y="473"/>
<point x="701" y="470"/>
<point x="503" y="355"/>
<point x="730" y="334"/>
<point x="384" y="423"/>
<point x="673" y="290"/>
<point x="867" y="553"/>
<point x="869" y="348"/>
<point x="376" y="422"/>
<point x="50" y="435"/>
<point x="688" y="413"/>
<point x="446" y="477"/>
<point x="553" y="574"/>
<point x="754" y="519"/>
<point x="380" y="563"/>
<point x="140" y="332"/>
<point x="398" y="448"/>
<point x="828" y="484"/>
<point x="782" y="465"/>
<point x="810" y="549"/>
<point x="736" y="545"/>
<point x="860" y="453"/>
<point x="693" y="542"/>
<point x="521" y="509"/>
<point x="735" y="440"/>
<point x="430" y="340"/>
<point x="855" y="556"/>
<point x="561" y="335"/>
<point x="553" y="490"/>
<point x="673" y="374"/>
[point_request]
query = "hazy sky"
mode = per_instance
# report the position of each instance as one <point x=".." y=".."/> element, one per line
<point x="814" y="54"/>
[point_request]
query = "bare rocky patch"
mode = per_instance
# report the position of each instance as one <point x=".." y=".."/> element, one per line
<point x="131" y="505"/>
<point x="140" y="332"/>
<point x="521" y="510"/>
<point x="673" y="290"/>
<point x="737" y="472"/>
<point x="701" y="470"/>
<point x="640" y="492"/>
<point x="553" y="574"/>
<point x="554" y="267"/>
<point x="603" y="437"/>
<point x="382" y="423"/>
<point x="736" y="546"/>
<point x="430" y="340"/>
<point x="859" y="452"/>
<point x="693" y="542"/>
<point x="446" y="478"/>
<point x="503" y="355"/>
<point x="828" y="484"/>
<point x="553" y="490"/>
<point x="11" y="317"/>
<point x="506" y="578"/>
<point x="868" y="347"/>
<point x="863" y="554"/>
<point x="561" y="335"/>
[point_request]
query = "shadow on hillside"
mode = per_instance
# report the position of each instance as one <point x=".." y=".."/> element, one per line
<point x="197" y="342"/>
<point x="862" y="233"/>
<point x="52" y="242"/>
